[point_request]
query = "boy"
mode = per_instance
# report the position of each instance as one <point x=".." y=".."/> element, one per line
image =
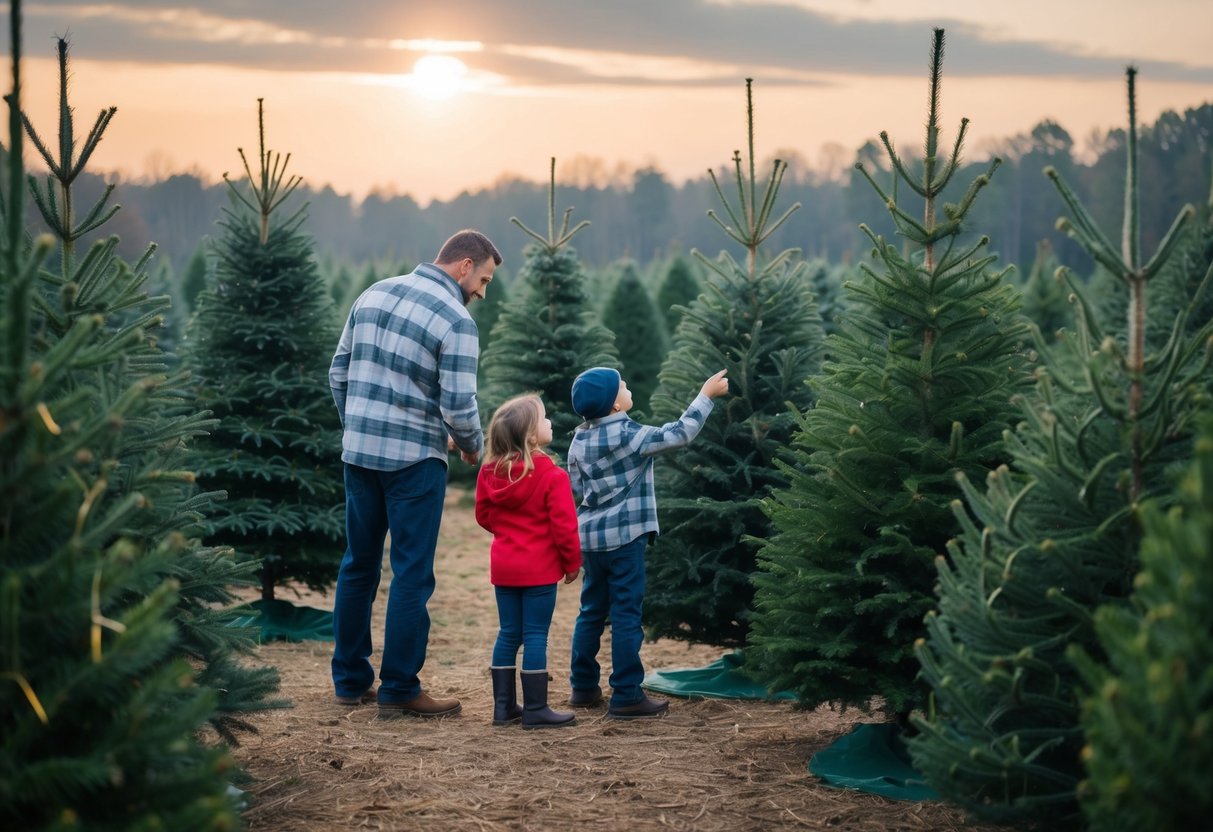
<point x="610" y="467"/>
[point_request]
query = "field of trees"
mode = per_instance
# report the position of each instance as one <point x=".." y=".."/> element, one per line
<point x="962" y="482"/>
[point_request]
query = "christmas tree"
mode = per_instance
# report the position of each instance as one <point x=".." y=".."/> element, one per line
<point x="194" y="281"/>
<point x="1055" y="535"/>
<point x="112" y="631"/>
<point x="1148" y="712"/>
<point x="917" y="388"/>
<point x="756" y="319"/>
<point x="341" y="286"/>
<point x="632" y="316"/>
<point x="678" y="288"/>
<point x="827" y="282"/>
<point x="1045" y="293"/>
<point x="546" y="333"/>
<point x="1177" y="285"/>
<point x="259" y="346"/>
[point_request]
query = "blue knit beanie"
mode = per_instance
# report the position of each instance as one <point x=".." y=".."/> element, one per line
<point x="595" y="391"/>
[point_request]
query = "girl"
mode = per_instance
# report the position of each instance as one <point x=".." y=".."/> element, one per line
<point x="525" y="500"/>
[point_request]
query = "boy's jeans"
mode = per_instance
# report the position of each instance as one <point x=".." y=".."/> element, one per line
<point x="612" y="584"/>
<point x="525" y="614"/>
<point x="408" y="503"/>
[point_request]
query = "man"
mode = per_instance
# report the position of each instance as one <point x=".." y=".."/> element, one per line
<point x="404" y="380"/>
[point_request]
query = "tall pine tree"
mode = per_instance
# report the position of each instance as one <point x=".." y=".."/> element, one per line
<point x="632" y="316"/>
<point x="112" y="637"/>
<point x="547" y="333"/>
<point x="259" y="346"/>
<point x="1055" y="535"/>
<point x="916" y="390"/>
<point x="758" y="320"/>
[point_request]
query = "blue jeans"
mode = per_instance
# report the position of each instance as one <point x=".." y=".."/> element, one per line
<point x="525" y="614"/>
<point x="611" y="585"/>
<point x="407" y="503"/>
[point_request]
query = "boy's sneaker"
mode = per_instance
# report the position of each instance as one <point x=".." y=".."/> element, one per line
<point x="646" y="708"/>
<point x="585" y="698"/>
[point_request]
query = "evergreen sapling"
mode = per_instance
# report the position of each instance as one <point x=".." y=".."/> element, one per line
<point x="1055" y="535"/>
<point x="758" y="320"/>
<point x="114" y="649"/>
<point x="916" y="389"/>
<point x="259" y="346"/>
<point x="546" y="333"/>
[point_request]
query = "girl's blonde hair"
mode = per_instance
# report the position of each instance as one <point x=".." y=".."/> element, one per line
<point x="512" y="432"/>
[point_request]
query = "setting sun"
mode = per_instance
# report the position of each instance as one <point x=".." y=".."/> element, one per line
<point x="438" y="76"/>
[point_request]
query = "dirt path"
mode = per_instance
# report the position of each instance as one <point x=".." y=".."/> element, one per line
<point x="709" y="765"/>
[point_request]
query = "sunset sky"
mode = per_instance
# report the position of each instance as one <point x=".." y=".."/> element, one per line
<point x="503" y="85"/>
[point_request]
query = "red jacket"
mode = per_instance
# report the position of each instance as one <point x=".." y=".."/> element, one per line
<point x="533" y="521"/>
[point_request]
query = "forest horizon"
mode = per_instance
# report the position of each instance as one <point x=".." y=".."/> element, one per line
<point x="391" y="98"/>
<point x="641" y="214"/>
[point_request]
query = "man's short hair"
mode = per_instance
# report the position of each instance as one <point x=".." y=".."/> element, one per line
<point x="468" y="243"/>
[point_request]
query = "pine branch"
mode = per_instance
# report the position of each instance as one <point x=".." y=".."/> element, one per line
<point x="14" y="215"/>
<point x="899" y="167"/>
<point x="94" y="138"/>
<point x="931" y="147"/>
<point x="954" y="162"/>
<point x="46" y="205"/>
<point x="1169" y="241"/>
<point x="41" y="147"/>
<point x="552" y="243"/>
<point x="269" y="190"/>
<point x="95" y="219"/>
<point x="1131" y="230"/>
<point x="1087" y="227"/>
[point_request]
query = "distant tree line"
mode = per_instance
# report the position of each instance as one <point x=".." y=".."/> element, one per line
<point x="643" y="216"/>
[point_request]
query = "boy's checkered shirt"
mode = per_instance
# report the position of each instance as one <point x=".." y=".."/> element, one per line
<point x="404" y="373"/>
<point x="610" y="467"/>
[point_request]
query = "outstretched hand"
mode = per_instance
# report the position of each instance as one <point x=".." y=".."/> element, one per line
<point x="716" y="386"/>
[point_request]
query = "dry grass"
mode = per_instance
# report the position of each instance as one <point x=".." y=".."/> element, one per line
<point x="709" y="765"/>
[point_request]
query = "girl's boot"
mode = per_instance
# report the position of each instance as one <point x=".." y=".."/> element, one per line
<point x="535" y="710"/>
<point x="505" y="695"/>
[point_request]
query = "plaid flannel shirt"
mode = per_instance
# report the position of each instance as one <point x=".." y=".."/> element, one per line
<point x="610" y="467"/>
<point x="404" y="374"/>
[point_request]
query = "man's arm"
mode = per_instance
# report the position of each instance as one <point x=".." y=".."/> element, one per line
<point x="457" y="387"/>
<point x="339" y="370"/>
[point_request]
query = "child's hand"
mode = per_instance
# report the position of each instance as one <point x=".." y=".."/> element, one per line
<point x="716" y="386"/>
<point x="569" y="577"/>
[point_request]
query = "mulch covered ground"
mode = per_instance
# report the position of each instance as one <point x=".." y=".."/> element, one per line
<point x="709" y="765"/>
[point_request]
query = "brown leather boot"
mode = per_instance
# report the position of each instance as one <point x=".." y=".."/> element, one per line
<point x="422" y="705"/>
